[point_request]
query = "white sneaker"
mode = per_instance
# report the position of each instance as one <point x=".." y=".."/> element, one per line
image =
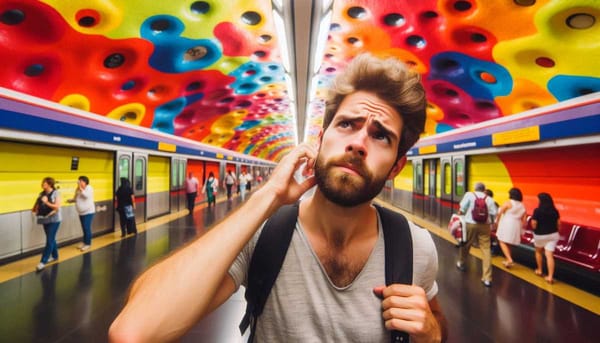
<point x="50" y="259"/>
<point x="40" y="266"/>
<point x="84" y="248"/>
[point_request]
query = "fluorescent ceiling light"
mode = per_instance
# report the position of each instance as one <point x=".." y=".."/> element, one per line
<point x="278" y="4"/>
<point x="321" y="41"/>
<point x="290" y="87"/>
<point x="282" y="40"/>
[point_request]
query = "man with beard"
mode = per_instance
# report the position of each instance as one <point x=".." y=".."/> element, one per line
<point x="331" y="286"/>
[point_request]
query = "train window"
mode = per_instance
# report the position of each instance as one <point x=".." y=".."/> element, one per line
<point x="138" y="174"/>
<point x="181" y="172"/>
<point x="447" y="180"/>
<point x="418" y="177"/>
<point x="426" y="177"/>
<point x="124" y="167"/>
<point x="459" y="177"/>
<point x="174" y="173"/>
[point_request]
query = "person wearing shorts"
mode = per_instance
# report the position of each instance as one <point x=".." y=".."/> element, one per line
<point x="545" y="222"/>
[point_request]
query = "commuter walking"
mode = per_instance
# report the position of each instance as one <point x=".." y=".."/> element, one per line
<point x="243" y="182"/>
<point x="511" y="218"/>
<point x="125" y="204"/>
<point x="210" y="187"/>
<point x="249" y="180"/>
<point x="229" y="183"/>
<point x="191" y="191"/>
<point x="477" y="208"/>
<point x="545" y="222"/>
<point x="84" y="204"/>
<point x="47" y="210"/>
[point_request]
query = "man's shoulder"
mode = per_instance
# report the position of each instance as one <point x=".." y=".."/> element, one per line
<point x="419" y="235"/>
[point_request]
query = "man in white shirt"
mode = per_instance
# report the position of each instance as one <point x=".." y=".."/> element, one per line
<point x="477" y="230"/>
<point x="84" y="204"/>
<point x="191" y="191"/>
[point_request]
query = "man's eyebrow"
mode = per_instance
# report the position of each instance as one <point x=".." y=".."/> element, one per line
<point x="351" y="115"/>
<point x="385" y="130"/>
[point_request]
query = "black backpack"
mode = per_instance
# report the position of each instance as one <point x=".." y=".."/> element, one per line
<point x="43" y="209"/>
<point x="273" y="244"/>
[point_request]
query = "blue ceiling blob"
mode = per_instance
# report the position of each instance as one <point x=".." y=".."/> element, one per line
<point x="467" y="73"/>
<point x="441" y="128"/>
<point x="253" y="76"/>
<point x="565" y="87"/>
<point x="165" y="115"/>
<point x="190" y="99"/>
<point x="248" y="124"/>
<point x="175" y="54"/>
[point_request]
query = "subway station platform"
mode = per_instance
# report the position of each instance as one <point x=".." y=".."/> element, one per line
<point x="76" y="298"/>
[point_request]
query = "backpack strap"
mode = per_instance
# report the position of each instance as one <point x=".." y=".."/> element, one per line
<point x="398" y="254"/>
<point x="266" y="262"/>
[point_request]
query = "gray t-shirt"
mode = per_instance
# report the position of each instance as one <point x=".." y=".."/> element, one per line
<point x="305" y="306"/>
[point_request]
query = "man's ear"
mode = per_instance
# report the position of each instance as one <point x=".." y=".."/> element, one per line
<point x="397" y="168"/>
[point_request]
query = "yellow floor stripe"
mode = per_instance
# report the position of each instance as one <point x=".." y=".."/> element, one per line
<point x="27" y="265"/>
<point x="570" y="293"/>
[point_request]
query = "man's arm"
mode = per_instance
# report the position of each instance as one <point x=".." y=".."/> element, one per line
<point x="173" y="295"/>
<point x="436" y="309"/>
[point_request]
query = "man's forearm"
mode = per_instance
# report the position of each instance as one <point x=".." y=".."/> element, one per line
<point x="170" y="297"/>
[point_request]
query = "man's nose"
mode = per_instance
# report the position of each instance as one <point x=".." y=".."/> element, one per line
<point x="357" y="144"/>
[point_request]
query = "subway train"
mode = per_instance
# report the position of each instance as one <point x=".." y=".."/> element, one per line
<point x="553" y="150"/>
<point x="41" y="138"/>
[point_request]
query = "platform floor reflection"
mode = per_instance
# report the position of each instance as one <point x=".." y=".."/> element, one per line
<point x="76" y="299"/>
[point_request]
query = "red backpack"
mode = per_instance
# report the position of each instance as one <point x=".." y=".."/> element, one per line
<point x="480" y="210"/>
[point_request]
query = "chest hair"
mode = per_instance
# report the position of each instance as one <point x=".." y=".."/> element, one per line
<point x="342" y="264"/>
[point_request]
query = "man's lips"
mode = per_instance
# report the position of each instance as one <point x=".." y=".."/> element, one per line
<point x="349" y="168"/>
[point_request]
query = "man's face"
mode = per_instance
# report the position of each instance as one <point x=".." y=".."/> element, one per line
<point x="358" y="150"/>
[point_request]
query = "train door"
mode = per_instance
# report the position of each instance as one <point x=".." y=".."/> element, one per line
<point x="178" y="200"/>
<point x="198" y="169"/>
<point x="453" y="183"/>
<point x="418" y="189"/>
<point x="430" y="202"/>
<point x="459" y="179"/>
<point x="158" y="186"/>
<point x="446" y="203"/>
<point x="233" y="168"/>
<point x="132" y="166"/>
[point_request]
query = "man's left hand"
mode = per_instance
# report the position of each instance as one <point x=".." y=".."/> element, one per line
<point x="405" y="308"/>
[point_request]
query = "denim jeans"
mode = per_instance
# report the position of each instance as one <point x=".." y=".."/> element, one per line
<point x="86" y="225"/>
<point x="51" y="247"/>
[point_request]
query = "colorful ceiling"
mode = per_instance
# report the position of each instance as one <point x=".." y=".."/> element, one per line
<point x="479" y="60"/>
<point x="212" y="71"/>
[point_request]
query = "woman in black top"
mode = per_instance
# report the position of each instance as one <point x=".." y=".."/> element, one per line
<point x="125" y="203"/>
<point x="545" y="222"/>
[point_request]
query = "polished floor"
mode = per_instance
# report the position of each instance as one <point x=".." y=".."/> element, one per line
<point x="76" y="299"/>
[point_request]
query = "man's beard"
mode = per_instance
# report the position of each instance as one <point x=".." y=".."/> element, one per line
<point x="345" y="189"/>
